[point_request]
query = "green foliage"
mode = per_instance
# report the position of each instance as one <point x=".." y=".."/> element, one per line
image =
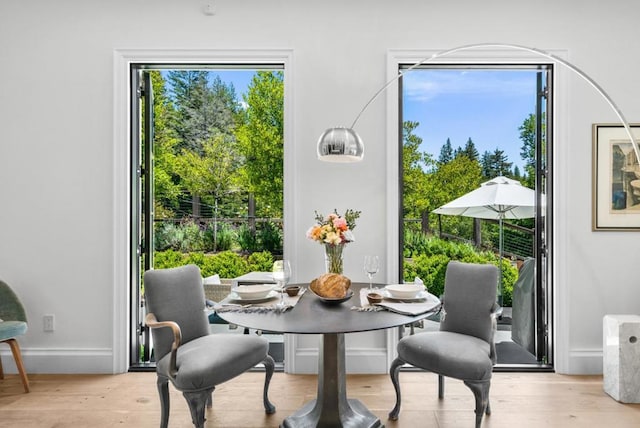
<point x="168" y="259"/>
<point x="261" y="142"/>
<point x="260" y="262"/>
<point x="270" y="238"/>
<point x="166" y="190"/>
<point x="247" y="239"/>
<point x="415" y="180"/>
<point x="224" y="237"/>
<point x="193" y="237"/>
<point x="167" y="236"/>
<point x="495" y="163"/>
<point x="227" y="264"/>
<point x="431" y="256"/>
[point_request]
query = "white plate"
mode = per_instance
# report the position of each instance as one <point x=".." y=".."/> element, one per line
<point x="253" y="291"/>
<point x="233" y="297"/>
<point x="404" y="291"/>
<point x="421" y="296"/>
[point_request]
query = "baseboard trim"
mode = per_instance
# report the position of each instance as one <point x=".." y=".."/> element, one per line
<point x="61" y="361"/>
<point x="585" y="362"/>
<point x="358" y="360"/>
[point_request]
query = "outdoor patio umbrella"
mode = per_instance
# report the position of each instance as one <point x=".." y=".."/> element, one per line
<point x="498" y="199"/>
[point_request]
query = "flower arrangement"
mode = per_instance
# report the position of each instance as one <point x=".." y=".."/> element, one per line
<point x="334" y="231"/>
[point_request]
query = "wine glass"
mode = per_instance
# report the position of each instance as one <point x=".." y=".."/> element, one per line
<point x="371" y="266"/>
<point x="281" y="275"/>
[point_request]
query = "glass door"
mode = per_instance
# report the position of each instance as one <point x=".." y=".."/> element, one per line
<point x="463" y="125"/>
<point x="207" y="167"/>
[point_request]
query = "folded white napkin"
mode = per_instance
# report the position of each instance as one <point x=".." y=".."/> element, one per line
<point x="411" y="308"/>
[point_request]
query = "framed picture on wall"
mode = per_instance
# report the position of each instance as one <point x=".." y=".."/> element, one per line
<point x="616" y="178"/>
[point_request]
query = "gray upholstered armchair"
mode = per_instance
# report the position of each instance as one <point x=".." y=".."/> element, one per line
<point x="464" y="347"/>
<point x="186" y="354"/>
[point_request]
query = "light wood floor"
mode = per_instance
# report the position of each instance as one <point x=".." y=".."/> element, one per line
<point x="519" y="400"/>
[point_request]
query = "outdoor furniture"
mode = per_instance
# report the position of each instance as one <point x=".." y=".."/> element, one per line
<point x="187" y="355"/>
<point x="523" y="315"/>
<point x="13" y="323"/>
<point x="310" y="315"/>
<point x="464" y="347"/>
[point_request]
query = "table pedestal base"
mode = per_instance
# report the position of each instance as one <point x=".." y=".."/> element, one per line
<point x="332" y="408"/>
<point x="356" y="415"/>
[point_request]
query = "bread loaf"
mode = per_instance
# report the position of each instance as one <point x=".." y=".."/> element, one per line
<point x="331" y="285"/>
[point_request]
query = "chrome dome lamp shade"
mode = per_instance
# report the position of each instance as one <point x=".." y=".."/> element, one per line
<point x="340" y="144"/>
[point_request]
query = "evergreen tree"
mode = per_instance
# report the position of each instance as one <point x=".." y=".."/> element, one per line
<point x="470" y="150"/>
<point x="495" y="164"/>
<point x="446" y="152"/>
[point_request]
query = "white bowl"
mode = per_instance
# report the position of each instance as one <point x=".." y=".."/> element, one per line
<point x="404" y="291"/>
<point x="255" y="291"/>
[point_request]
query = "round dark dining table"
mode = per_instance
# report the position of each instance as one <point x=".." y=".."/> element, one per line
<point x="311" y="315"/>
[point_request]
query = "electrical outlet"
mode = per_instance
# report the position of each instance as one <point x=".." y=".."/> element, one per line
<point x="48" y="322"/>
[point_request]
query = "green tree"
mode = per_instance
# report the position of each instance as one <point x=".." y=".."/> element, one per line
<point x="187" y="91"/>
<point x="470" y="150"/>
<point x="495" y="164"/>
<point x="446" y="152"/>
<point x="528" y="149"/>
<point x="415" y="196"/>
<point x="205" y="109"/>
<point x="166" y="188"/>
<point x="261" y="139"/>
<point x="212" y="174"/>
<point x="454" y="179"/>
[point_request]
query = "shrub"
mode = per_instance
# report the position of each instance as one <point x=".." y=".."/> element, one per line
<point x="227" y="264"/>
<point x="193" y="238"/>
<point x="261" y="262"/>
<point x="224" y="237"/>
<point x="270" y="238"/>
<point x="168" y="259"/>
<point x="435" y="253"/>
<point x="167" y="236"/>
<point x="247" y="239"/>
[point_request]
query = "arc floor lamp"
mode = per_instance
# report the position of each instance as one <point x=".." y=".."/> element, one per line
<point x="342" y="144"/>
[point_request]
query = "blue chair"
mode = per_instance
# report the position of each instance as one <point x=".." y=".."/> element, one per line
<point x="13" y="323"/>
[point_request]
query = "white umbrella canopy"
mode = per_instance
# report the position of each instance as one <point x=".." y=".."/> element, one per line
<point x="498" y="198"/>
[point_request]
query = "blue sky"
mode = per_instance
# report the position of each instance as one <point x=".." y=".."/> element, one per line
<point x="487" y="106"/>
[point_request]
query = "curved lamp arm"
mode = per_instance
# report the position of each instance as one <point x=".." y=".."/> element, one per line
<point x="582" y="74"/>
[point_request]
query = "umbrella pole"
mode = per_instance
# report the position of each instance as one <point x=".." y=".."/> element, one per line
<point x="500" y="299"/>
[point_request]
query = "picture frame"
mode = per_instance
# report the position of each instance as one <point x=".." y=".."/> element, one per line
<point x="616" y="178"/>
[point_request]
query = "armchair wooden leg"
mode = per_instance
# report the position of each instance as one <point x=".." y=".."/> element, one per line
<point x="163" y="391"/>
<point x="481" y="393"/>
<point x="269" y="366"/>
<point x="197" y="401"/>
<point x="394" y="372"/>
<point x="1" y="372"/>
<point x="17" y="356"/>
<point x="440" y="386"/>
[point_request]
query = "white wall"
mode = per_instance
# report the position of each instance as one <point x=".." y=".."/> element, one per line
<point x="57" y="142"/>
